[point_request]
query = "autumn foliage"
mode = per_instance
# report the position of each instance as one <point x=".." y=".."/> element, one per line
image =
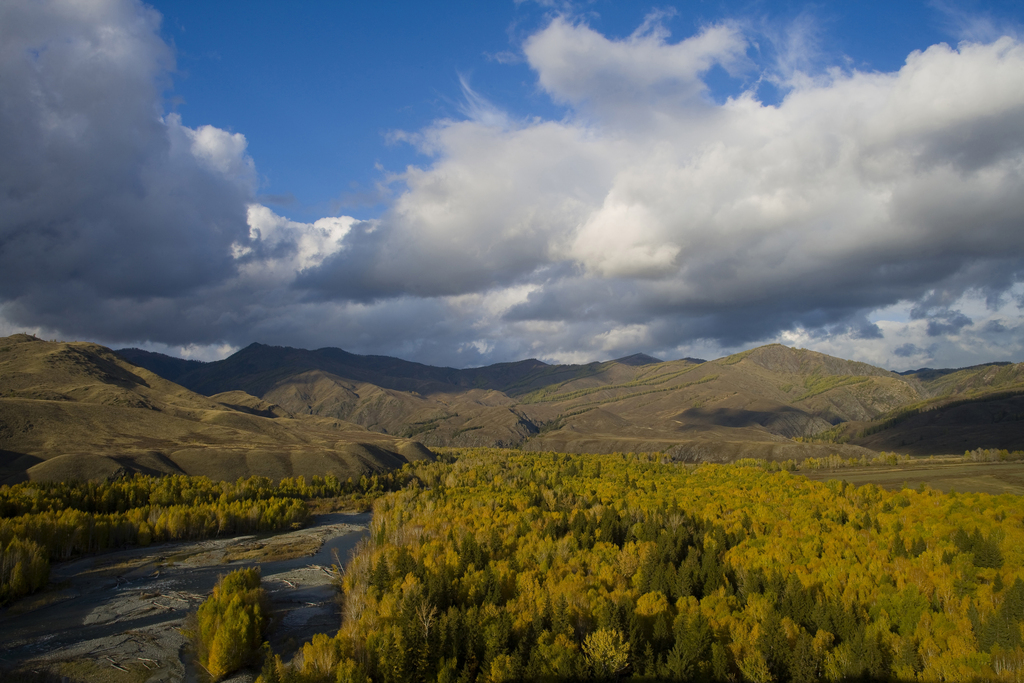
<point x="503" y="565"/>
<point x="231" y="623"/>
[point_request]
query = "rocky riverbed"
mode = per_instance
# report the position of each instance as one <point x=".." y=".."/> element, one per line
<point x="117" y="616"/>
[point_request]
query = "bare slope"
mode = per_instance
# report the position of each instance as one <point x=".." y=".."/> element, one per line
<point x="748" y="405"/>
<point x="772" y="401"/>
<point x="77" y="410"/>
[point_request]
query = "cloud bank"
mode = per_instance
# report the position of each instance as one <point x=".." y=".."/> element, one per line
<point x="873" y="215"/>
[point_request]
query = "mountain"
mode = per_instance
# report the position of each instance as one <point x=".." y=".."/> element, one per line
<point x="771" y="401"/>
<point x="168" y="367"/>
<point x="638" y="359"/>
<point x="77" y="410"/>
<point x="977" y="407"/>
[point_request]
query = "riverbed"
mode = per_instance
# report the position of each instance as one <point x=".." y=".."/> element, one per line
<point x="117" y="616"/>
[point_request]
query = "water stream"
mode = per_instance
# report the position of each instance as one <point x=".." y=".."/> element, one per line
<point x="93" y="602"/>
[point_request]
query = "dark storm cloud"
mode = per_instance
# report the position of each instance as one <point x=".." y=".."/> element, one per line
<point x="907" y="350"/>
<point x="950" y="322"/>
<point x="102" y="198"/>
<point x="382" y="262"/>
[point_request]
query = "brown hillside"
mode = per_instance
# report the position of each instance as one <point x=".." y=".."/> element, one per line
<point x="976" y="407"/>
<point x="77" y="410"/>
<point x="772" y="400"/>
<point x="750" y="403"/>
<point x="977" y="380"/>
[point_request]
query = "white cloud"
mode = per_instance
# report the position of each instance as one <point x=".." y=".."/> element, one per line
<point x="289" y="247"/>
<point x="631" y="78"/>
<point x="478" y="108"/>
<point x="866" y="213"/>
<point x="730" y="222"/>
<point x="221" y="151"/>
<point x="624" y="337"/>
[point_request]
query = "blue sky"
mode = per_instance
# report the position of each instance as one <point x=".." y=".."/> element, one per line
<point x="317" y="87"/>
<point x="477" y="182"/>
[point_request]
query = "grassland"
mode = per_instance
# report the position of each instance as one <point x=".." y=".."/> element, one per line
<point x="994" y="478"/>
<point x="747" y="404"/>
<point x="78" y="411"/>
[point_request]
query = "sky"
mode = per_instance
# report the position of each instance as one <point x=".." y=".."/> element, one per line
<point x="476" y="182"/>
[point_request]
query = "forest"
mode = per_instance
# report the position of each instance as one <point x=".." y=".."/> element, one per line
<point x="501" y="565"/>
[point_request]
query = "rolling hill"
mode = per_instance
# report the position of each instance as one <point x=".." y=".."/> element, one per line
<point x="77" y="410"/>
<point x="772" y="401"/>
<point x="976" y="407"/>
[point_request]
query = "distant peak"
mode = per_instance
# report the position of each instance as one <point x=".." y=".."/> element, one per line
<point x="638" y="359"/>
<point x="938" y="372"/>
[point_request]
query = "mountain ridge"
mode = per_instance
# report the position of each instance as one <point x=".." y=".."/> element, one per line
<point x="771" y="399"/>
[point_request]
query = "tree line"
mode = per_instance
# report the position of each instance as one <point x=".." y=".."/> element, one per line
<point x="44" y="522"/>
<point x="121" y="495"/>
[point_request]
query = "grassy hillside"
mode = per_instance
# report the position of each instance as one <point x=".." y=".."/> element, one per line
<point x="77" y="410"/>
<point x="772" y="401"/>
<point x="752" y="404"/>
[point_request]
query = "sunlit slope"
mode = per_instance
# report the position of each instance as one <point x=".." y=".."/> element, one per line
<point x="973" y="381"/>
<point x="77" y="410"/>
<point x="766" y="396"/>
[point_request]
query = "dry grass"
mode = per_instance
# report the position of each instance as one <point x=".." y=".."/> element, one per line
<point x="31" y="603"/>
<point x="991" y="477"/>
<point x="78" y="411"/>
<point x="105" y="670"/>
<point x="84" y="670"/>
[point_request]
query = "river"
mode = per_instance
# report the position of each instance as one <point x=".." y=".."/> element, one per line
<point x="123" y="610"/>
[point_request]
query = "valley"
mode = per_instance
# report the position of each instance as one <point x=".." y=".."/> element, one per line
<point x="778" y="514"/>
<point x="512" y="565"/>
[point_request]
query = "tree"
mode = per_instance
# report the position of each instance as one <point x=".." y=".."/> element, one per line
<point x="607" y="652"/>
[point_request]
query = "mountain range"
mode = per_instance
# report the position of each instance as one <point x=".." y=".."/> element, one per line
<point x="79" y="410"/>
<point x="772" y="401"/>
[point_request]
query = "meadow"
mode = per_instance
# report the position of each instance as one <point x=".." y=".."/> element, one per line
<point x="947" y="476"/>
